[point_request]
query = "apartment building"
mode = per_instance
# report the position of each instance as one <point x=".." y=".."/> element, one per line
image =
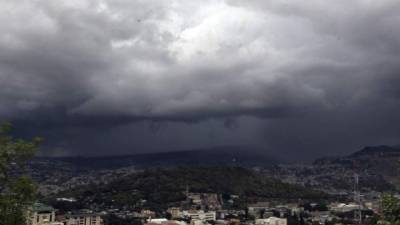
<point x="83" y="219"/>
<point x="41" y="214"/>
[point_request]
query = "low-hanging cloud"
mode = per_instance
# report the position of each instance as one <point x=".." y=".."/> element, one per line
<point x="104" y="62"/>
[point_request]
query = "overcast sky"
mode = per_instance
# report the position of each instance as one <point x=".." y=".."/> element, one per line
<point x="299" y="79"/>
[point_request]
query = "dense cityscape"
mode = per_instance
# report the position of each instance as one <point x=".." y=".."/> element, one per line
<point x="335" y="190"/>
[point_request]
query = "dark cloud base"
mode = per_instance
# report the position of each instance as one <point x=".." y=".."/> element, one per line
<point x="300" y="80"/>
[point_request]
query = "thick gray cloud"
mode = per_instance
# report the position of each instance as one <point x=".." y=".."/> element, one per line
<point x="308" y="78"/>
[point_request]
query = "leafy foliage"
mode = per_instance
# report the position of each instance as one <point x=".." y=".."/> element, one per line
<point x="390" y="209"/>
<point x="17" y="191"/>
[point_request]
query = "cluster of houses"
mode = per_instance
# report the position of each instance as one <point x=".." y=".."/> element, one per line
<point x="41" y="214"/>
<point x="46" y="215"/>
<point x="220" y="217"/>
<point x="206" y="209"/>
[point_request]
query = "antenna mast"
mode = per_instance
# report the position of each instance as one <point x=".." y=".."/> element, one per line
<point x="357" y="199"/>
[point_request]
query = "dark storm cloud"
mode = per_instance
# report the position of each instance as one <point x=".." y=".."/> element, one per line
<point x="78" y="71"/>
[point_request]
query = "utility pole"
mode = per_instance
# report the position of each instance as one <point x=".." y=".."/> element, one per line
<point x="357" y="200"/>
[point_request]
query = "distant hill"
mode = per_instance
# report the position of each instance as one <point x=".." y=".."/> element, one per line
<point x="227" y="155"/>
<point x="165" y="187"/>
<point x="378" y="151"/>
<point x="383" y="161"/>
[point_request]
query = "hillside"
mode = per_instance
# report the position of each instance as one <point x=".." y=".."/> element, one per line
<point x="165" y="187"/>
<point x="57" y="171"/>
<point x="378" y="161"/>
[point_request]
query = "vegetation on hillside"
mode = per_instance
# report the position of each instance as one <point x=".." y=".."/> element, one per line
<point x="160" y="188"/>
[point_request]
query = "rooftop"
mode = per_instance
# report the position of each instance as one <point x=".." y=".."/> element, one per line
<point x="42" y="208"/>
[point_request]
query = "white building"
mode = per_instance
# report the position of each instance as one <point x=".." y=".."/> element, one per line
<point x="200" y="215"/>
<point x="157" y="220"/>
<point x="345" y="207"/>
<point x="272" y="221"/>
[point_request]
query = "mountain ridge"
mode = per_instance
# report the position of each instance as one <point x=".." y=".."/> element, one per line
<point x="379" y="150"/>
<point x="225" y="155"/>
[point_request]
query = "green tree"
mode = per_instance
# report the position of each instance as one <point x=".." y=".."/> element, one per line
<point x="17" y="191"/>
<point x="390" y="209"/>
